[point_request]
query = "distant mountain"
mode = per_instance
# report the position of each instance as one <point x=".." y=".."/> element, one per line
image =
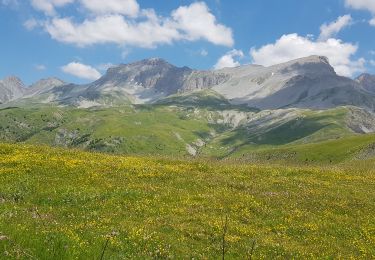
<point x="367" y="81"/>
<point x="303" y="83"/>
<point x="43" y="85"/>
<point x="309" y="82"/>
<point x="11" y="88"/>
<point x="218" y="113"/>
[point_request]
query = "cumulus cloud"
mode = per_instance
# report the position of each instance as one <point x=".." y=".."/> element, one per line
<point x="122" y="22"/>
<point x="368" y="5"/>
<point x="229" y="60"/>
<point x="48" y="6"/>
<point x="81" y="71"/>
<point x="197" y="22"/>
<point x="112" y="29"/>
<point x="361" y="5"/>
<point x="293" y="46"/>
<point x="124" y="7"/>
<point x="332" y="29"/>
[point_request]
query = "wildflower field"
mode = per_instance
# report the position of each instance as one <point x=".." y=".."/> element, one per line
<point x="69" y="204"/>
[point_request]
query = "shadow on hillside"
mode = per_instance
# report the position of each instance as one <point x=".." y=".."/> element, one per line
<point x="283" y="134"/>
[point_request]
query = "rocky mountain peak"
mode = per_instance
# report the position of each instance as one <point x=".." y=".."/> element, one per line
<point x="310" y="59"/>
<point x="367" y="81"/>
<point x="52" y="80"/>
<point x="143" y="64"/>
<point x="312" y="66"/>
<point x="11" y="88"/>
<point x="365" y="77"/>
<point x="154" y="73"/>
<point x="44" y="85"/>
<point x="155" y="62"/>
<point x="13" y="81"/>
<point x="315" y="59"/>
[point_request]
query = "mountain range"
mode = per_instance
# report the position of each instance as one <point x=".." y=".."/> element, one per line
<point x="303" y="83"/>
<point x="152" y="106"/>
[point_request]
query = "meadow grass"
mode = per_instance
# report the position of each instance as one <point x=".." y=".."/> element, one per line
<point x="69" y="204"/>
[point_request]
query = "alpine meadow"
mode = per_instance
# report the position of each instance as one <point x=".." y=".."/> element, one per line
<point x="251" y="135"/>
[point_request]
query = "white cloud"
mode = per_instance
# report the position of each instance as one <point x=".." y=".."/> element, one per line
<point x="48" y="6"/>
<point x="372" y="63"/>
<point x="361" y="5"/>
<point x="228" y="60"/>
<point x="368" y="5"/>
<point x="332" y="29"/>
<point x="147" y="30"/>
<point x="124" y="7"/>
<point x="31" y="24"/>
<point x="293" y="46"/>
<point x="81" y="71"/>
<point x="197" y="22"/>
<point x="40" y="67"/>
<point x="112" y="29"/>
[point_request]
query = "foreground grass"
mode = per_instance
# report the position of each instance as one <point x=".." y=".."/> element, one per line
<point x="58" y="204"/>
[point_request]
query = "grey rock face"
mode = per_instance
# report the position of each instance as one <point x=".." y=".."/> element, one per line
<point x="367" y="81"/>
<point x="303" y="83"/>
<point x="11" y="88"/>
<point x="153" y="73"/>
<point x="199" y="80"/>
<point x="43" y="85"/>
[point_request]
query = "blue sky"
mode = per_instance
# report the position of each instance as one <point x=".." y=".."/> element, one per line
<point x="76" y="40"/>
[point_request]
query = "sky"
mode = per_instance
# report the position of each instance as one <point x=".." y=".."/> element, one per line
<point x="78" y="40"/>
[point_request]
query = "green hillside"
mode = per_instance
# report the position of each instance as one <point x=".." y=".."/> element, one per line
<point x="208" y="98"/>
<point x="350" y="148"/>
<point x="127" y="129"/>
<point x="67" y="204"/>
<point x="179" y="130"/>
<point x="305" y="127"/>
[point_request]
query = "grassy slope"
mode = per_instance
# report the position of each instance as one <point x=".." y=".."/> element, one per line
<point x="58" y="204"/>
<point x="309" y="127"/>
<point x="121" y="130"/>
<point x="208" y="98"/>
<point x="167" y="130"/>
<point x="331" y="151"/>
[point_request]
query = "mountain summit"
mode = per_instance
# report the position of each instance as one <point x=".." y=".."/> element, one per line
<point x="11" y="88"/>
<point x="367" y="81"/>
